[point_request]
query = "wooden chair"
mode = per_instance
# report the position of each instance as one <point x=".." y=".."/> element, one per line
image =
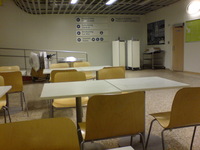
<point x="15" y="80"/>
<point x="185" y="112"/>
<point x="41" y="134"/>
<point x="89" y="74"/>
<point x="110" y="116"/>
<point x="53" y="72"/>
<point x="3" y="102"/>
<point x="9" y="68"/>
<point x="59" y="65"/>
<point x="111" y="73"/>
<point x="67" y="76"/>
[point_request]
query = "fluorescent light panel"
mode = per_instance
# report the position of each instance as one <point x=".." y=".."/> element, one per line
<point x="110" y="2"/>
<point x="193" y="7"/>
<point x="74" y="1"/>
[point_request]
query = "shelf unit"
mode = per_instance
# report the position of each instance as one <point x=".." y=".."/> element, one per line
<point x="154" y="60"/>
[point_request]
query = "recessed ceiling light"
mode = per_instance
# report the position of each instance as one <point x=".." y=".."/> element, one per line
<point x="193" y="7"/>
<point x="74" y="1"/>
<point x="110" y="2"/>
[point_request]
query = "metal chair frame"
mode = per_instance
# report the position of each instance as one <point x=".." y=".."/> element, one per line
<point x="162" y="134"/>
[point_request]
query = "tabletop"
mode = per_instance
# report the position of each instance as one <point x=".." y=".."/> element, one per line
<point x="77" y="89"/>
<point x="4" y="89"/>
<point x="145" y="83"/>
<point x="122" y="148"/>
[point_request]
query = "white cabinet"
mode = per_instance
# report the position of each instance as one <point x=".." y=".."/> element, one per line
<point x="118" y="53"/>
<point x="133" y="54"/>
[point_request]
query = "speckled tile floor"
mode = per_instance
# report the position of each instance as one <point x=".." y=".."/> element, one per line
<point x="156" y="101"/>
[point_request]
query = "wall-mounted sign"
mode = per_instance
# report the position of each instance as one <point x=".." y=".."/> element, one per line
<point x="125" y="19"/>
<point x="91" y="26"/>
<point x="156" y="33"/>
<point x="91" y="39"/>
<point x="91" y="32"/>
<point x="92" y="19"/>
<point x="91" y="29"/>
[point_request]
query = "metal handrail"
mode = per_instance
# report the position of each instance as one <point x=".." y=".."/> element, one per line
<point x="40" y="50"/>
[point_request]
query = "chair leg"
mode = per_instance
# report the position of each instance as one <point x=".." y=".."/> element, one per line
<point x="149" y="133"/>
<point x="163" y="142"/>
<point x="8" y="113"/>
<point x="21" y="98"/>
<point x="142" y="139"/>
<point x="4" y="113"/>
<point x="82" y="145"/>
<point x="195" y="127"/>
<point x="131" y="141"/>
<point x="26" y="106"/>
<point x="51" y="109"/>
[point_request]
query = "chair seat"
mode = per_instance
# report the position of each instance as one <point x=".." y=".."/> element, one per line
<point x="2" y="103"/>
<point x="163" y="118"/>
<point x="82" y="126"/>
<point x="90" y="76"/>
<point x="68" y="102"/>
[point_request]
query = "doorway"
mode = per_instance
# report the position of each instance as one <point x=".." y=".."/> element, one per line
<point x="178" y="48"/>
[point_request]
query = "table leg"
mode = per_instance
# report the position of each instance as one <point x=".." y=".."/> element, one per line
<point x="97" y="75"/>
<point x="78" y="110"/>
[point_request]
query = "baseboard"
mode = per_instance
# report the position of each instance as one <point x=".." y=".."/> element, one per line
<point x="197" y="73"/>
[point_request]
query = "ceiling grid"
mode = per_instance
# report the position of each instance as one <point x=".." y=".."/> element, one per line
<point x="120" y="7"/>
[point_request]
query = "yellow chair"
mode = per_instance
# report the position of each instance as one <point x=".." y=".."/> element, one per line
<point x="185" y="112"/>
<point x="41" y="134"/>
<point x="9" y="68"/>
<point x="110" y="116"/>
<point x="111" y="73"/>
<point x="53" y="72"/>
<point x="89" y="74"/>
<point x="15" y="80"/>
<point x="3" y="101"/>
<point x="67" y="76"/>
<point x="59" y="65"/>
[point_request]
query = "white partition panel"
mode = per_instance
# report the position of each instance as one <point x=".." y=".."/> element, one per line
<point x="118" y="53"/>
<point x="133" y="54"/>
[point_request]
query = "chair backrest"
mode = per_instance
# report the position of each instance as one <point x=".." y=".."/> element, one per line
<point x="14" y="79"/>
<point x="9" y="68"/>
<point x="81" y="64"/>
<point x="111" y="73"/>
<point x="41" y="134"/>
<point x="69" y="75"/>
<point x="2" y="84"/>
<point x="89" y="74"/>
<point x="185" y="108"/>
<point x="59" y="65"/>
<point x="53" y="72"/>
<point x="115" y="115"/>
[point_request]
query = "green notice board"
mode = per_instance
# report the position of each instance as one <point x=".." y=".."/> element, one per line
<point x="192" y="31"/>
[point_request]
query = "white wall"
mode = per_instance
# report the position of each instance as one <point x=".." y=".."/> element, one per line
<point x="175" y="14"/>
<point x="57" y="32"/>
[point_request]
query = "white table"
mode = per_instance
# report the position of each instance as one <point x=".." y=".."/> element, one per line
<point x="77" y="89"/>
<point x="4" y="90"/>
<point x="144" y="83"/>
<point x="89" y="68"/>
<point x="94" y="87"/>
<point x="122" y="148"/>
